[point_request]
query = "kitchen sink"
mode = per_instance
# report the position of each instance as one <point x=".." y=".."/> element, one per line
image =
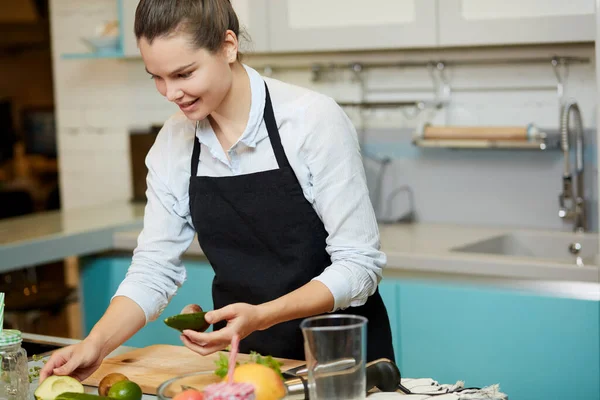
<point x="565" y="247"/>
<point x="38" y="348"/>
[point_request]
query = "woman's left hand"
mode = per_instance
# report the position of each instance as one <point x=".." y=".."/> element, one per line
<point x="241" y="318"/>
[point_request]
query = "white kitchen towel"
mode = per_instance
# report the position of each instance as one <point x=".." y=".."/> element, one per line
<point x="429" y="389"/>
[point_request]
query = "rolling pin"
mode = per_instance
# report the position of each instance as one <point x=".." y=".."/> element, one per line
<point x="515" y="133"/>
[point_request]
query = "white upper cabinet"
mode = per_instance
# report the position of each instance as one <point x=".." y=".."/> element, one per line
<point x="281" y="26"/>
<point x="253" y="18"/>
<point x="252" y="15"/>
<point x="321" y="25"/>
<point x="505" y="22"/>
<point x="130" y="48"/>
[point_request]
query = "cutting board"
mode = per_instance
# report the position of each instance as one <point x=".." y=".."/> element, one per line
<point x="150" y="366"/>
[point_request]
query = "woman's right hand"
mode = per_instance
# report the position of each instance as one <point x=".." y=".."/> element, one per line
<point x="78" y="361"/>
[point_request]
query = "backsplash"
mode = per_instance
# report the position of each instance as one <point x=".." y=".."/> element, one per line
<point x="99" y="101"/>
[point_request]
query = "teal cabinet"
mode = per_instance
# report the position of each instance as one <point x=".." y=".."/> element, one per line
<point x="534" y="347"/>
<point x="100" y="278"/>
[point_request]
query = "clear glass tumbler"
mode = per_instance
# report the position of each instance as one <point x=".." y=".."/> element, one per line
<point x="335" y="347"/>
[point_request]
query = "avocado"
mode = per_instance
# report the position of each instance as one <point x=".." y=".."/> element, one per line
<point x="55" y="385"/>
<point x="81" y="396"/>
<point x="193" y="321"/>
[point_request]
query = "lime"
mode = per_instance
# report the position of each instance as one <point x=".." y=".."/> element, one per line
<point x="125" y="390"/>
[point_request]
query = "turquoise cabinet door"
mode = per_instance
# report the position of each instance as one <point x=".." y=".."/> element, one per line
<point x="100" y="278"/>
<point x="534" y="347"/>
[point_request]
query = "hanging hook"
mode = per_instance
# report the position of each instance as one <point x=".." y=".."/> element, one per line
<point x="441" y="84"/>
<point x="316" y="72"/>
<point x="561" y="71"/>
<point x="357" y="69"/>
<point x="445" y="88"/>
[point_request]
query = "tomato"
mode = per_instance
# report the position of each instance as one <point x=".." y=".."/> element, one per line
<point x="189" y="394"/>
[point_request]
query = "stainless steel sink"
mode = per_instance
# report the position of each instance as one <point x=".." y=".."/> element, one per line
<point x="563" y="247"/>
<point x="38" y="348"/>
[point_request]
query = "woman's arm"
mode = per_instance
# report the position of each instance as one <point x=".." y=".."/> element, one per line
<point x="157" y="271"/>
<point x="341" y="198"/>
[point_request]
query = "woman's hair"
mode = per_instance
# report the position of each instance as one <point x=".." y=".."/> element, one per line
<point x="205" y="21"/>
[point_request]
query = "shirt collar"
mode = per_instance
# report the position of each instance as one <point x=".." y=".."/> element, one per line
<point x="252" y="134"/>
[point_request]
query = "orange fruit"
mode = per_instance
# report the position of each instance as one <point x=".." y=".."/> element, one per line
<point x="267" y="383"/>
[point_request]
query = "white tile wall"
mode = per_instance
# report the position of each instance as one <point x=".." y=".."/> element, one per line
<point x="99" y="101"/>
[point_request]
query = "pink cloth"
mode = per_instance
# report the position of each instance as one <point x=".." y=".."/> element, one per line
<point x="229" y="391"/>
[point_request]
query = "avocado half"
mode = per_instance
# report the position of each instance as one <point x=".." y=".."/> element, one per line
<point x="191" y="321"/>
<point x="55" y="385"/>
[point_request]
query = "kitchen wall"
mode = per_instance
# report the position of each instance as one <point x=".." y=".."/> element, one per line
<point x="100" y="100"/>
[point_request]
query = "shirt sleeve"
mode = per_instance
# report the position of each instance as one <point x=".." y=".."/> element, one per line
<point x="332" y="153"/>
<point x="156" y="271"/>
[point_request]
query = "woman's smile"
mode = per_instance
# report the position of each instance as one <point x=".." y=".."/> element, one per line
<point x="187" y="106"/>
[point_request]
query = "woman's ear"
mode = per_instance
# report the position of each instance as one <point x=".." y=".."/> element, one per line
<point x="230" y="46"/>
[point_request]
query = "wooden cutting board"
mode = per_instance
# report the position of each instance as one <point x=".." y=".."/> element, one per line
<point x="150" y="366"/>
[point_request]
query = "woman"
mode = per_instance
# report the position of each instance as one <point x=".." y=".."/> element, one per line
<point x="268" y="175"/>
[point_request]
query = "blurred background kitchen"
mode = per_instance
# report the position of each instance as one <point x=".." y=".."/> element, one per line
<point x="459" y="109"/>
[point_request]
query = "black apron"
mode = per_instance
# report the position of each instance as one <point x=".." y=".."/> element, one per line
<point x="264" y="240"/>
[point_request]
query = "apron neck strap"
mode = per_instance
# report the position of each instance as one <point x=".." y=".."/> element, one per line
<point x="274" y="137"/>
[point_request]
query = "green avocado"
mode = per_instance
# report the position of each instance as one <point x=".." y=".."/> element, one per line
<point x="80" y="396"/>
<point x="192" y="321"/>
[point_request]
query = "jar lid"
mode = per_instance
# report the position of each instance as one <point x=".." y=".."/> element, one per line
<point x="10" y="336"/>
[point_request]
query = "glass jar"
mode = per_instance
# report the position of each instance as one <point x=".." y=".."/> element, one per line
<point x="14" y="375"/>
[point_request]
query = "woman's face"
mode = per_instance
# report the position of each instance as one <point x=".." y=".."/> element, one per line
<point x="194" y="79"/>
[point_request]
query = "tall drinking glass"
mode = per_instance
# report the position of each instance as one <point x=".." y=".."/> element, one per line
<point x="335" y="347"/>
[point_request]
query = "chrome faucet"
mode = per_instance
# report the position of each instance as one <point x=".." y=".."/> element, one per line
<point x="572" y="202"/>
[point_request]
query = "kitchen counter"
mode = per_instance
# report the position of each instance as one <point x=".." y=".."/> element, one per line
<point x="50" y="236"/>
<point x="418" y="250"/>
<point x="429" y="251"/>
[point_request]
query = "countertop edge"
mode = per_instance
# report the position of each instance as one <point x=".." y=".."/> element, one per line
<point x="56" y="247"/>
<point x="535" y="276"/>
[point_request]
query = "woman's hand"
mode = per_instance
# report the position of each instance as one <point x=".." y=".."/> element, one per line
<point x="79" y="361"/>
<point x="241" y="318"/>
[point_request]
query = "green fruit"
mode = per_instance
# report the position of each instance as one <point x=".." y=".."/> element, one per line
<point x="193" y="321"/>
<point x="125" y="390"/>
<point x="80" y="396"/>
<point x="55" y="385"/>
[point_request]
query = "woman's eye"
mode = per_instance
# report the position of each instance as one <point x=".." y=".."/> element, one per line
<point x="185" y="75"/>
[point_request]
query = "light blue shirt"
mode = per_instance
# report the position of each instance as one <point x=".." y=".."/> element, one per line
<point x="322" y="148"/>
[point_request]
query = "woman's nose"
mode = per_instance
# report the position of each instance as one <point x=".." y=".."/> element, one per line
<point x="174" y="93"/>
